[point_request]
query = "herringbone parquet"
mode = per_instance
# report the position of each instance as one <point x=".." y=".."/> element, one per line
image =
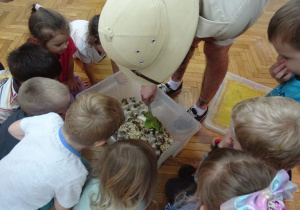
<point x="250" y="57"/>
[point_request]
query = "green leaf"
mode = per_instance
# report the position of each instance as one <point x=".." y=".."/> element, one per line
<point x="153" y="123"/>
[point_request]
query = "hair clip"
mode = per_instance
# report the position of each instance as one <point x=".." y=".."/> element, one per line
<point x="37" y="6"/>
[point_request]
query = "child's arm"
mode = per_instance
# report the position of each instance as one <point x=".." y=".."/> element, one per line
<point x="280" y="72"/>
<point x="71" y="81"/>
<point x="58" y="206"/>
<point x="114" y="66"/>
<point x="16" y="131"/>
<point x="88" y="68"/>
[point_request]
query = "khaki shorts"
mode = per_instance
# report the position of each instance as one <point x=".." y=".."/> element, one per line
<point x="225" y="20"/>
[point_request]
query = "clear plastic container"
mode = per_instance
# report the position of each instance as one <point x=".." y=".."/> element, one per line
<point x="233" y="89"/>
<point x="173" y="117"/>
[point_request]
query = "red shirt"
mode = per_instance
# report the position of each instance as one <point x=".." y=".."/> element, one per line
<point x="65" y="58"/>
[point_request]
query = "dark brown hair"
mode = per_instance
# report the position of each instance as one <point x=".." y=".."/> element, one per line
<point x="93" y="35"/>
<point x="44" y="24"/>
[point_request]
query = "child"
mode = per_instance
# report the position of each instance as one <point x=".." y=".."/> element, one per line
<point x="125" y="178"/>
<point x="283" y="33"/>
<point x="89" y="49"/>
<point x="266" y="128"/>
<point x="36" y="96"/>
<point x="46" y="163"/>
<point x="51" y="30"/>
<point x="231" y="179"/>
<point x="27" y="61"/>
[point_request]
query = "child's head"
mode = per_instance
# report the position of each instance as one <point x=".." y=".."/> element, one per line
<point x="92" y="118"/>
<point x="93" y="35"/>
<point x="31" y="60"/>
<point x="40" y="95"/>
<point x="50" y="29"/>
<point x="269" y="129"/>
<point x="284" y="33"/>
<point x="227" y="173"/>
<point x="127" y="171"/>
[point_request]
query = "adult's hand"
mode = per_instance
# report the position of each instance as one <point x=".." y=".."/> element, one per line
<point x="280" y="72"/>
<point x="148" y="93"/>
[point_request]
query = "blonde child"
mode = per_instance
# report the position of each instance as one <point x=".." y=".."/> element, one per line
<point x="231" y="179"/>
<point x="89" y="49"/>
<point x="268" y="128"/>
<point x="27" y="61"/>
<point x="36" y="96"/>
<point x="283" y="33"/>
<point x="46" y="163"/>
<point x="51" y="30"/>
<point x="125" y="178"/>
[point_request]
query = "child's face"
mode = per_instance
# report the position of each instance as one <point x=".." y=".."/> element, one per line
<point x="289" y="55"/>
<point x="58" y="44"/>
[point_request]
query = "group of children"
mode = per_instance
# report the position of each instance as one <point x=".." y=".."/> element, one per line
<point x="44" y="129"/>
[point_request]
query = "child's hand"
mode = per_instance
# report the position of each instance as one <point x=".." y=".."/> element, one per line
<point x="280" y="72"/>
<point x="72" y="84"/>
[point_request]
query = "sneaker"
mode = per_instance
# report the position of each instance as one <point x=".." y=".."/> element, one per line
<point x="167" y="90"/>
<point x="192" y="111"/>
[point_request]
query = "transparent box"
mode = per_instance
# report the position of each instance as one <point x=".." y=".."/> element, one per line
<point x="173" y="117"/>
<point x="233" y="89"/>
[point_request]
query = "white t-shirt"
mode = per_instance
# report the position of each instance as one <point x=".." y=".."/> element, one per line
<point x="92" y="188"/>
<point x="87" y="54"/>
<point x="40" y="167"/>
<point x="8" y="95"/>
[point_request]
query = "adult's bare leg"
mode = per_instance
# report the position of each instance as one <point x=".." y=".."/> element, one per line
<point x="215" y="71"/>
<point x="178" y="75"/>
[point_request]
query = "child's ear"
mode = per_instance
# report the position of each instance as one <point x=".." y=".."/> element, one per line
<point x="202" y="207"/>
<point x="99" y="143"/>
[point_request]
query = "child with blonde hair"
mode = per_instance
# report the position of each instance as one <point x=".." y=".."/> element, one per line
<point x="51" y="30"/>
<point x="89" y="48"/>
<point x="46" y="163"/>
<point x="36" y="96"/>
<point x="125" y="177"/>
<point x="283" y="33"/>
<point x="231" y="179"/>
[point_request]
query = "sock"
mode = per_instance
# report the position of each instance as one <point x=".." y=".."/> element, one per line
<point x="174" y="85"/>
<point x="199" y="110"/>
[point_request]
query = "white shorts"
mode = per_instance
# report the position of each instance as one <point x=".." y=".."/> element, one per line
<point x="225" y="20"/>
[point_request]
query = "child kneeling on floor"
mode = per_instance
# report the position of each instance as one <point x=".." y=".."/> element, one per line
<point x="46" y="163"/>
<point x="232" y="179"/>
<point x="36" y="96"/>
<point x="125" y="178"/>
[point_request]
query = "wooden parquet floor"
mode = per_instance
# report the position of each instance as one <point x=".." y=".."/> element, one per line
<point x="250" y="57"/>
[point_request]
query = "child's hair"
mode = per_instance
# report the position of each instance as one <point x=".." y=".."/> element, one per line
<point x="44" y="24"/>
<point x="127" y="173"/>
<point x="42" y="95"/>
<point x="227" y="173"/>
<point x="269" y="128"/>
<point x="286" y="24"/>
<point x="31" y="60"/>
<point x="93" y="35"/>
<point x="93" y="117"/>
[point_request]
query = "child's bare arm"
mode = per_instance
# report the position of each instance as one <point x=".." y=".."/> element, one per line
<point x="88" y="68"/>
<point x="114" y="66"/>
<point x="58" y="206"/>
<point x="280" y="72"/>
<point x="71" y="81"/>
<point x="16" y="131"/>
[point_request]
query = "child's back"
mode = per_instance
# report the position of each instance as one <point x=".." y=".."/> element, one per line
<point x="46" y="163"/>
